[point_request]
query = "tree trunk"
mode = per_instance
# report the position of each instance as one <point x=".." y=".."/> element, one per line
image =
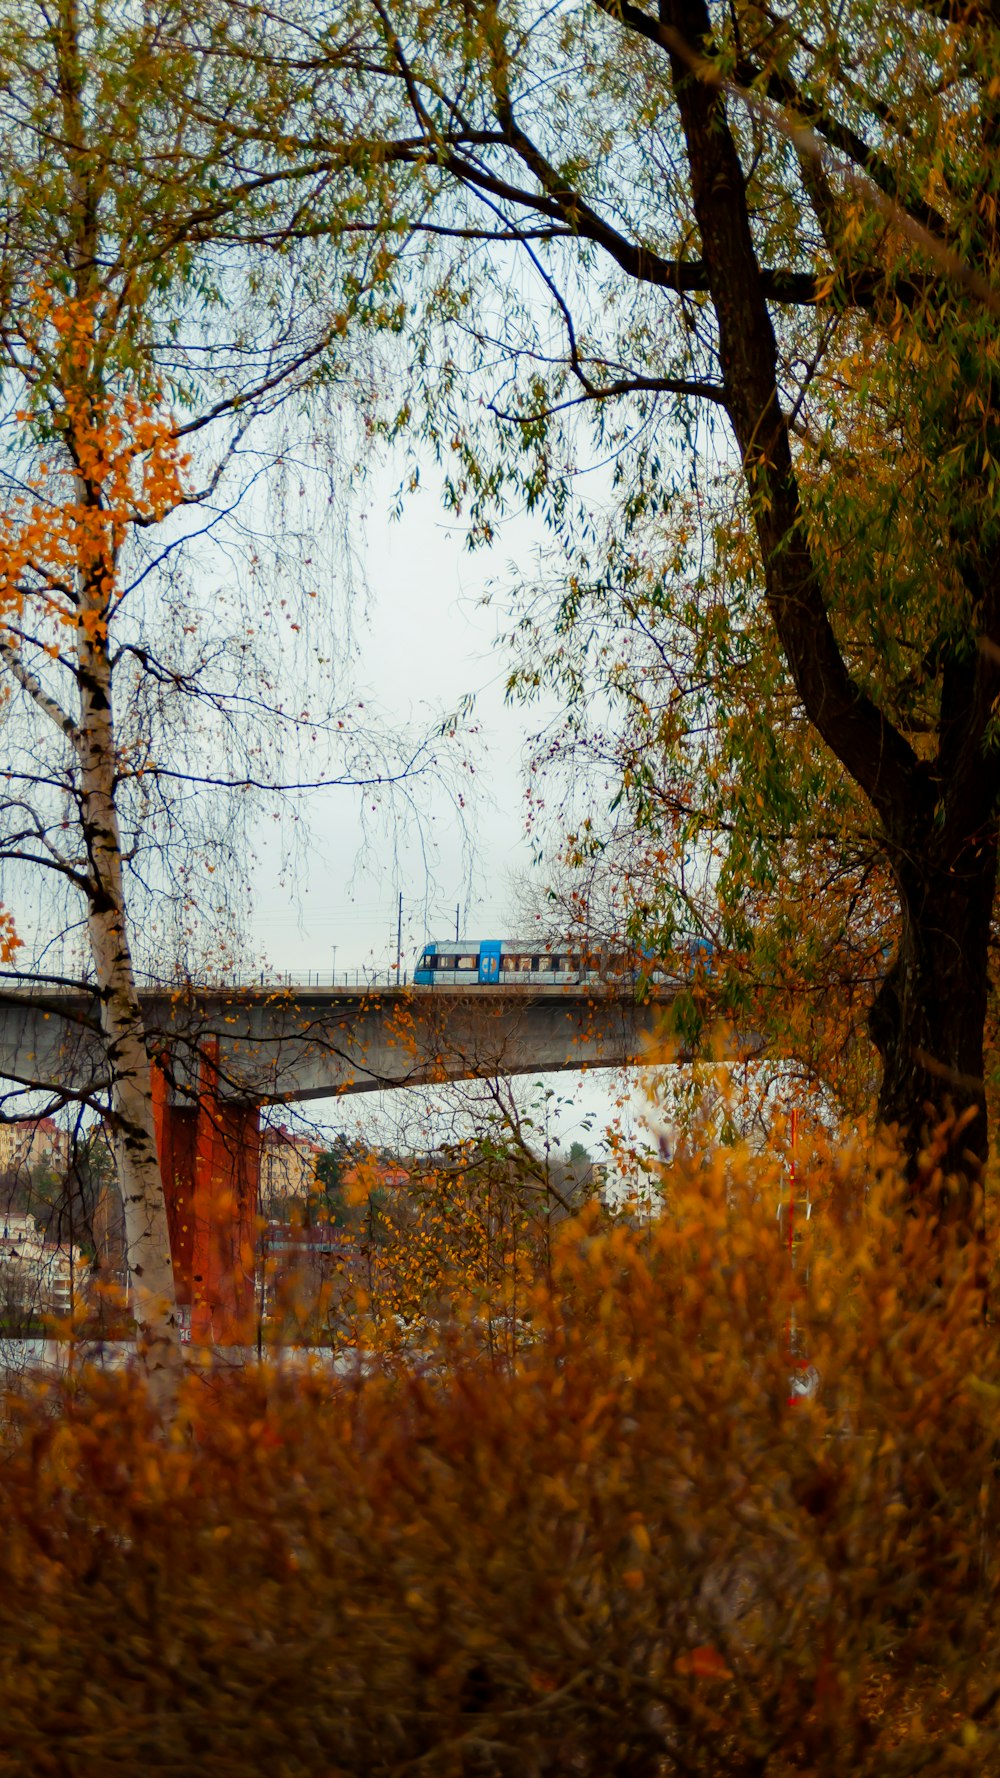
<point x="147" y="1238"/>
<point x="938" y="817"/>
<point x="101" y="517"/>
<point x="928" y="1022"/>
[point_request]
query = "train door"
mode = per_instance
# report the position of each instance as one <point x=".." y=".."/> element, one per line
<point x="489" y="961"/>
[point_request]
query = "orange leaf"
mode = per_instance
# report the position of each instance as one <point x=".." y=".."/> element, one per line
<point x="703" y="1662"/>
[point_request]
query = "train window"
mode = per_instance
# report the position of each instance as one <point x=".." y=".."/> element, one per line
<point x="467" y="963"/>
<point x="545" y="962"/>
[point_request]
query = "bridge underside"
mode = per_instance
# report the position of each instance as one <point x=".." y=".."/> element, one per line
<point x="278" y="1047"/>
<point x="219" y="1055"/>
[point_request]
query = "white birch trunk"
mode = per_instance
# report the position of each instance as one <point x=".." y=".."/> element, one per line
<point x="147" y="1238"/>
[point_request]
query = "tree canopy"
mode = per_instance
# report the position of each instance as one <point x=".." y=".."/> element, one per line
<point x="745" y="257"/>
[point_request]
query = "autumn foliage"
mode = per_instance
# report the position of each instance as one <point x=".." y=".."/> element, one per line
<point x="629" y="1552"/>
<point x="118" y="465"/>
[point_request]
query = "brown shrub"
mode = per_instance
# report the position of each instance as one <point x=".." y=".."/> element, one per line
<point x="627" y="1555"/>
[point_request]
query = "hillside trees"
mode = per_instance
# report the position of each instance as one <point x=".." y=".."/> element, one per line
<point x="458" y="1228"/>
<point x="755" y="249"/>
<point x="146" y="356"/>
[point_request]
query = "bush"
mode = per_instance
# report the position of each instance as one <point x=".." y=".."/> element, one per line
<point x="628" y="1554"/>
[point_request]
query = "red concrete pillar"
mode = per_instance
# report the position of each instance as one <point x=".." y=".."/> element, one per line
<point x="209" y="1161"/>
<point x="227" y="1165"/>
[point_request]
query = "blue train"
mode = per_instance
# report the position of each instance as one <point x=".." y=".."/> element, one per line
<point x="507" y="962"/>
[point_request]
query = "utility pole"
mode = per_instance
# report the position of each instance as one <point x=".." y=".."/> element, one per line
<point x="399" y="935"/>
<point x="457" y="908"/>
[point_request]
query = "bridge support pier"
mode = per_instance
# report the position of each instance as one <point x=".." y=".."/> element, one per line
<point x="209" y="1155"/>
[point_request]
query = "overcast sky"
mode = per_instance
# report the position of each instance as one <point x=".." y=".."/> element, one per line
<point x="427" y="642"/>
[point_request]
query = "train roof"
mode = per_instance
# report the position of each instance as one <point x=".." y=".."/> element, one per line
<point x="506" y="944"/>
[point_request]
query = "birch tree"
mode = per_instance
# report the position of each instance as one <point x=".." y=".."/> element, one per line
<point x="140" y="344"/>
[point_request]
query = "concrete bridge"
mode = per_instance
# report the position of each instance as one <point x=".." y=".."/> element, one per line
<point x="281" y="1045"/>
<point x="285" y="1044"/>
<point x="220" y="1053"/>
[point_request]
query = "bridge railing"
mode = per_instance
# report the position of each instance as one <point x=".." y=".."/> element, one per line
<point x="223" y="979"/>
<point x="278" y="978"/>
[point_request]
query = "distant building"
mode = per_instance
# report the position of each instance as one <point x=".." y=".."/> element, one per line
<point x="374" y="1172"/>
<point x="38" y="1276"/>
<point x="33" y="1142"/>
<point x="288" y="1164"/>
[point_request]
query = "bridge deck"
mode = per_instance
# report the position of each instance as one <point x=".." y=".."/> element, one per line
<point x="282" y="1043"/>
